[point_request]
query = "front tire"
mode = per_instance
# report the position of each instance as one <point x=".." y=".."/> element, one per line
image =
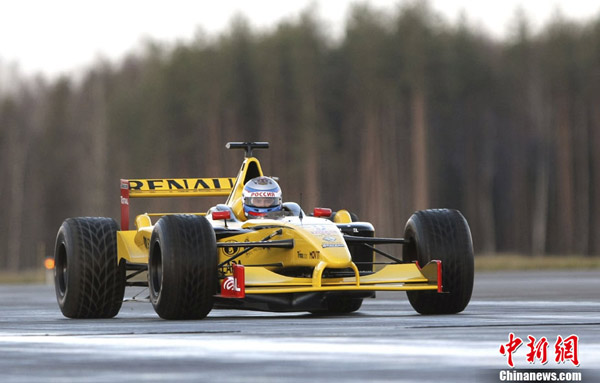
<point x="444" y="235"/>
<point x="182" y="267"/>
<point x="89" y="282"/>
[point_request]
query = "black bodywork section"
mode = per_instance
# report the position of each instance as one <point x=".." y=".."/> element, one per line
<point x="362" y="256"/>
<point x="315" y="301"/>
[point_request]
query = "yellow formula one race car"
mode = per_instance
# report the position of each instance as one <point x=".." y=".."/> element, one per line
<point x="255" y="252"/>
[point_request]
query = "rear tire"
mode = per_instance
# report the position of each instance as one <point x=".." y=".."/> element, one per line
<point x="182" y="267"/>
<point x="88" y="281"/>
<point x="444" y="235"/>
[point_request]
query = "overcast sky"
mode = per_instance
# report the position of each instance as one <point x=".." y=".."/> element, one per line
<point x="60" y="36"/>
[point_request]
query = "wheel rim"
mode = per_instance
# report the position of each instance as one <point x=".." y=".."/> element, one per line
<point x="60" y="270"/>
<point x="156" y="270"/>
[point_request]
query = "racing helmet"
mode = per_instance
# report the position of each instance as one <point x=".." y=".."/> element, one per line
<point x="261" y="195"/>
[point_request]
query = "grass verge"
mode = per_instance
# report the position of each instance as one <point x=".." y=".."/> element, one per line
<point x="23" y="277"/>
<point x="506" y="262"/>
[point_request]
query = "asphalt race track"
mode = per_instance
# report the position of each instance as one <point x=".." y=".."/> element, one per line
<point x="386" y="341"/>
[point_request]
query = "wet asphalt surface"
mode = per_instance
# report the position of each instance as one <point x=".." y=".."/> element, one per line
<point x="385" y="341"/>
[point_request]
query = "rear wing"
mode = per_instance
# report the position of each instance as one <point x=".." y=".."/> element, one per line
<point x="195" y="187"/>
<point x="171" y="187"/>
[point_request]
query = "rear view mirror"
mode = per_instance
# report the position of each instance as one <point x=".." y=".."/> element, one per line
<point x="322" y="212"/>
<point x="216" y="215"/>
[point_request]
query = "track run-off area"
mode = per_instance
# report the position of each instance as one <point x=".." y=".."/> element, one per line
<point x="385" y="341"/>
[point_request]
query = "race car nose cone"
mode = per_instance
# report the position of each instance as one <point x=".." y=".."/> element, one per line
<point x="336" y="258"/>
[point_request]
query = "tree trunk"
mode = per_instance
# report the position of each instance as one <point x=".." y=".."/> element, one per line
<point x="542" y="173"/>
<point x="565" y="203"/>
<point x="99" y="155"/>
<point x="419" y="150"/>
<point x="17" y="157"/>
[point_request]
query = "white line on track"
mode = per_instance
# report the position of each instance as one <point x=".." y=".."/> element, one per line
<point x="450" y="353"/>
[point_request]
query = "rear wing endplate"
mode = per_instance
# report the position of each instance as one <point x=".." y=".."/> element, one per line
<point x="171" y="187"/>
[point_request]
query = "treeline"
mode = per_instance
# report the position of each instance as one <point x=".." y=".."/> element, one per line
<point x="404" y="112"/>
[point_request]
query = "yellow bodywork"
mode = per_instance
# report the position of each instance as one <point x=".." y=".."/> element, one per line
<point x="318" y="243"/>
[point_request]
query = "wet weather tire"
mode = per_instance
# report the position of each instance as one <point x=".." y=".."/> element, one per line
<point x="444" y="235"/>
<point x="182" y="267"/>
<point x="88" y="281"/>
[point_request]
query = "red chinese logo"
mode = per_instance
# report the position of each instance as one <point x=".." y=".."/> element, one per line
<point x="564" y="349"/>
<point x="537" y="350"/>
<point x="513" y="344"/>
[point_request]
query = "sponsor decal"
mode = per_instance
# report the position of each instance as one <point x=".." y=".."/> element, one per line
<point x="312" y="255"/>
<point x="262" y="194"/>
<point x="329" y="239"/>
<point x="263" y="181"/>
<point x="181" y="184"/>
<point x="233" y="286"/>
<point x="326" y="245"/>
<point x="230" y="251"/>
<point x="230" y="284"/>
<point x="322" y="230"/>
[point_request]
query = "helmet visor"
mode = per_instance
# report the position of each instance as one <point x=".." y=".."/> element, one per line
<point x="261" y="201"/>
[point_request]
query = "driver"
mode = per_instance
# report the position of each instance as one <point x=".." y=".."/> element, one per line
<point x="261" y="196"/>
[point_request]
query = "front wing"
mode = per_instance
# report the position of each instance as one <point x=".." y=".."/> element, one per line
<point x="392" y="277"/>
